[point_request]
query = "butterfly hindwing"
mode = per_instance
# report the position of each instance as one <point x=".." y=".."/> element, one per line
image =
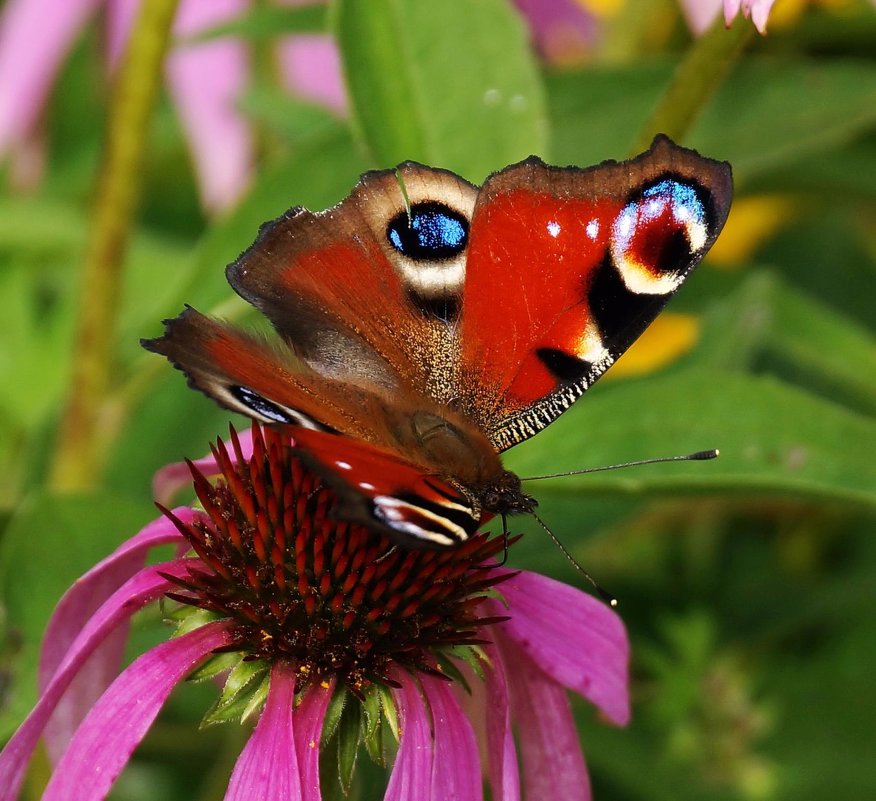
<point x="264" y="381"/>
<point x="380" y="490"/>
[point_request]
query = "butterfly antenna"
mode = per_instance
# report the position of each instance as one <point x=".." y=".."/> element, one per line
<point x="404" y="190"/>
<point x="604" y="593"/>
<point x="699" y="456"/>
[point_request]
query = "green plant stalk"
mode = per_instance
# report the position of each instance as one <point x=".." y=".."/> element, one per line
<point x="82" y="442"/>
<point x="696" y="79"/>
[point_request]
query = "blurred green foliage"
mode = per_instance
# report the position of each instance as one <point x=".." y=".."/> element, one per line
<point x="747" y="584"/>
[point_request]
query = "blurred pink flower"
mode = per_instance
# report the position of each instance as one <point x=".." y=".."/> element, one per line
<point x="755" y="10"/>
<point x="562" y="30"/>
<point x="701" y="13"/>
<point x="205" y="80"/>
<point x="317" y="607"/>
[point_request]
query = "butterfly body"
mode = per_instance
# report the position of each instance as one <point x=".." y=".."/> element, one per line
<point x="427" y="325"/>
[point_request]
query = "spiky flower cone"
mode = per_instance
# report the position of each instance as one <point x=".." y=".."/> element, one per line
<point x="330" y="597"/>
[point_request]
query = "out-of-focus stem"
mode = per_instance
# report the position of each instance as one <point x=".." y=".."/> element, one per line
<point x="81" y="445"/>
<point x="695" y="80"/>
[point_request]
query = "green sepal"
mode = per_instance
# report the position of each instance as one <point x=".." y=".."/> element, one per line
<point x="472" y="655"/>
<point x="452" y="671"/>
<point x="371" y="712"/>
<point x="349" y="734"/>
<point x="257" y="699"/>
<point x="189" y="618"/>
<point x="333" y="713"/>
<point x="390" y="713"/>
<point x="216" y="664"/>
<point x="244" y="692"/>
<point x="377" y="734"/>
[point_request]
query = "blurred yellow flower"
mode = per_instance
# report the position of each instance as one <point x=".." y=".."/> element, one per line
<point x="752" y="221"/>
<point x="669" y="337"/>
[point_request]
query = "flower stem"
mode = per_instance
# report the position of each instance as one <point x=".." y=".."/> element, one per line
<point x="82" y="443"/>
<point x="697" y="77"/>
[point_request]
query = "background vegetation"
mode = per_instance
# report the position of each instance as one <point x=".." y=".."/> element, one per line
<point x="747" y="584"/>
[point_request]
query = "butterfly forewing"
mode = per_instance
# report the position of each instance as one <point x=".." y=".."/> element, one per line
<point x="358" y="291"/>
<point x="567" y="267"/>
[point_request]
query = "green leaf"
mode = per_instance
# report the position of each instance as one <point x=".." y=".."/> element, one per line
<point x="465" y="96"/>
<point x="35" y="332"/>
<point x="775" y="440"/>
<point x="759" y="120"/>
<point x="597" y="114"/>
<point x="472" y="655"/>
<point x="805" y="341"/>
<point x="296" y="122"/>
<point x="42" y="227"/>
<point x="265" y="22"/>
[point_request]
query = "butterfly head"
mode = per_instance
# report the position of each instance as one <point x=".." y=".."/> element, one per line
<point x="505" y="496"/>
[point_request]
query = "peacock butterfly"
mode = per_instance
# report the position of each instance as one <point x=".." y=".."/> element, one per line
<point x="427" y="325"/>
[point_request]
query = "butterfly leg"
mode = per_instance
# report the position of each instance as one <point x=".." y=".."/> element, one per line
<point x="504" y="541"/>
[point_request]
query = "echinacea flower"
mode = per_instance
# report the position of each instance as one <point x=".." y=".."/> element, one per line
<point x="562" y="30"/>
<point x="701" y="13"/>
<point x="757" y="11"/>
<point x="298" y="609"/>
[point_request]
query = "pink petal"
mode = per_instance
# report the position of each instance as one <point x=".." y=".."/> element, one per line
<point x="35" y="37"/>
<point x="142" y="588"/>
<point x="120" y="18"/>
<point x="553" y="763"/>
<point x="700" y="13"/>
<point x="170" y="479"/>
<point x="309" y="717"/>
<point x="760" y="12"/>
<point x="124" y="713"/>
<point x="574" y="638"/>
<point x="206" y="80"/>
<point x="456" y="769"/>
<point x="562" y="29"/>
<point x="92" y="679"/>
<point x="411" y="777"/>
<point x="503" y="769"/>
<point x="267" y="769"/>
<point x="756" y="10"/>
<point x="27" y="161"/>
<point x="73" y="610"/>
<point x="311" y="69"/>
<point x="89" y="591"/>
